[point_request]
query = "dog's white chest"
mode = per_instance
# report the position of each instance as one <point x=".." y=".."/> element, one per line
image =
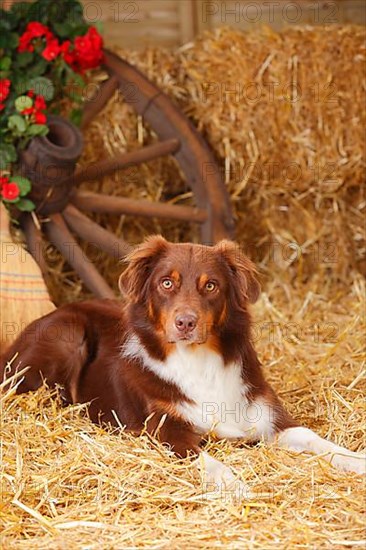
<point x="218" y="394"/>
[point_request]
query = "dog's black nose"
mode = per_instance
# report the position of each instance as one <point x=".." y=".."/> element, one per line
<point x="186" y="322"/>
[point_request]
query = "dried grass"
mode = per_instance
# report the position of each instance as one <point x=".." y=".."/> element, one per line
<point x="69" y="484"/>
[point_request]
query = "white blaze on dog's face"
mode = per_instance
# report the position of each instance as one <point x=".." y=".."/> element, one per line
<point x="189" y="290"/>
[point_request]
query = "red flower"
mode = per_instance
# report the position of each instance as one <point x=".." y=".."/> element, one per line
<point x="4" y="91"/>
<point x="3" y="179"/>
<point x="10" y="191"/>
<point x="4" y="88"/>
<point x="67" y="55"/>
<point x="30" y="93"/>
<point x="28" y="111"/>
<point x="25" y="43"/>
<point x="52" y="49"/>
<point x="35" y="111"/>
<point x="34" y="29"/>
<point x="40" y="118"/>
<point x="40" y="103"/>
<point x="88" y="50"/>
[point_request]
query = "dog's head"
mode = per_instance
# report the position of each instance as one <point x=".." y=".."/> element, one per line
<point x="189" y="291"/>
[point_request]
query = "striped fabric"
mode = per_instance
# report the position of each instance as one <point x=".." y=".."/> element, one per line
<point x="22" y="286"/>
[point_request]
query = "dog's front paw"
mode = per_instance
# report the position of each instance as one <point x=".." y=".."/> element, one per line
<point x="303" y="439"/>
<point x="219" y="481"/>
<point x="350" y="462"/>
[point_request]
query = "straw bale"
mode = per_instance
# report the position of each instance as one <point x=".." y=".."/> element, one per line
<point x="285" y="115"/>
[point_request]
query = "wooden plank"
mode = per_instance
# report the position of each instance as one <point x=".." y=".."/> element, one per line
<point x="186" y="20"/>
<point x="142" y="23"/>
<point x="59" y="234"/>
<point x="125" y="160"/>
<point x="246" y="14"/>
<point x="124" y="11"/>
<point x="94" y="234"/>
<point x="95" y="202"/>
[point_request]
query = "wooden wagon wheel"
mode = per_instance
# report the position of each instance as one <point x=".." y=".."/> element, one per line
<point x="50" y="161"/>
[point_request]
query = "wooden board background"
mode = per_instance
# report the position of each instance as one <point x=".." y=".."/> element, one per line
<point x="170" y="23"/>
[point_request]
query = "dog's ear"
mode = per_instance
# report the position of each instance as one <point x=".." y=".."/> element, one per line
<point x="134" y="280"/>
<point x="243" y="270"/>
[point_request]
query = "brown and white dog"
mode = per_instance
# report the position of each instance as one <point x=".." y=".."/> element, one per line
<point x="175" y="357"/>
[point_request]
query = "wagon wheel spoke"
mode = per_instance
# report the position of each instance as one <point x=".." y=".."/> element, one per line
<point x="93" y="233"/>
<point x="100" y="99"/>
<point x="124" y="160"/>
<point x="107" y="204"/>
<point x="60" y="236"/>
<point x="33" y="237"/>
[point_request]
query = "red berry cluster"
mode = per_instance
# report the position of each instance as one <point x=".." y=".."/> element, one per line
<point x="84" y="53"/>
<point x="35" y="111"/>
<point x="9" y="190"/>
<point x="4" y="91"/>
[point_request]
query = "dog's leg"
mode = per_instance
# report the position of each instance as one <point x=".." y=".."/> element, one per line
<point x="303" y="439"/>
<point x="219" y="480"/>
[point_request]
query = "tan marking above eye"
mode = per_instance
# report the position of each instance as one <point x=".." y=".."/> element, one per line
<point x="203" y="280"/>
<point x="175" y="276"/>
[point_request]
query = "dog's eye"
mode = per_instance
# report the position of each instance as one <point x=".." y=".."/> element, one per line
<point x="167" y="284"/>
<point x="210" y="286"/>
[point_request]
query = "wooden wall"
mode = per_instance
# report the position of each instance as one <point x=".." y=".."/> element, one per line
<point x="279" y="13"/>
<point x="136" y="23"/>
<point x="170" y="23"/>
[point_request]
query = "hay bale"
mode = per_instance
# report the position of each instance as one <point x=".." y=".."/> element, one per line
<point x="284" y="113"/>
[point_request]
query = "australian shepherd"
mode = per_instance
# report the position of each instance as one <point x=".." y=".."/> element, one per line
<point x="175" y="357"/>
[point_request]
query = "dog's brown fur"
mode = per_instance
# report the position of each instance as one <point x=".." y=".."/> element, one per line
<point x="79" y="345"/>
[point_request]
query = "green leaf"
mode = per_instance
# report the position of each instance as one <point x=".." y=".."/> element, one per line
<point x="25" y="205"/>
<point x="6" y="22"/>
<point x="8" y="155"/>
<point x="42" y="86"/>
<point x="8" y="40"/>
<point x="5" y="74"/>
<point x="23" y="183"/>
<point x="39" y="68"/>
<point x="37" y="130"/>
<point x="11" y="201"/>
<point x="16" y="122"/>
<point x="23" y="59"/>
<point x="39" y="11"/>
<point x="5" y="63"/>
<point x="79" y="80"/>
<point x="76" y="116"/>
<point x="62" y="29"/>
<point x="20" y="10"/>
<point x="23" y="102"/>
<point x="55" y="110"/>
